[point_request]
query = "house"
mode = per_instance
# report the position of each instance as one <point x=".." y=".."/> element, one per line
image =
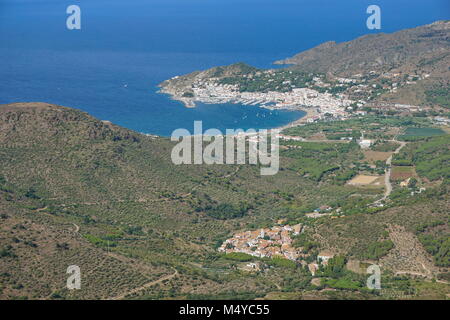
<point x="297" y="229"/>
<point x="285" y="238"/>
<point x="273" y="251"/>
<point x="274" y="235"/>
<point x="266" y="242"/>
<point x="365" y="144"/>
<point x="405" y="183"/>
<point x="323" y="209"/>
<point x="252" y="267"/>
<point x="262" y="234"/>
<point x="324" y="256"/>
<point x="313" y="267"/>
<point x="317" y="214"/>
<point x="290" y="253"/>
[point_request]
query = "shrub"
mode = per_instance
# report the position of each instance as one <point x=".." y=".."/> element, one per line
<point x="238" y="256"/>
<point x="376" y="250"/>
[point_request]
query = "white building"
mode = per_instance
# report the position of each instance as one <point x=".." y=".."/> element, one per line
<point x="365" y="144"/>
<point x="324" y="256"/>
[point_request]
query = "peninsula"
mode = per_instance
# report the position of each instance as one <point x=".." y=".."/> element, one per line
<point x="405" y="70"/>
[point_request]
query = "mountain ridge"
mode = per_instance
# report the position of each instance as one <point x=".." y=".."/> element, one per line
<point x="383" y="49"/>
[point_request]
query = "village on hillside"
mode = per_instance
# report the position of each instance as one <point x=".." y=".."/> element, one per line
<point x="271" y="243"/>
<point x="267" y="242"/>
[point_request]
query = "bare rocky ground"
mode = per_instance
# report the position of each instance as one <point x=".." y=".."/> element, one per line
<point x="408" y="256"/>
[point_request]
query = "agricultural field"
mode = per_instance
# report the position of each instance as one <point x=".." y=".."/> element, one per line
<point x="381" y="128"/>
<point x="412" y="134"/>
<point x="374" y="156"/>
<point x="430" y="157"/>
<point x="400" y="173"/>
<point x="363" y="180"/>
<point x="385" y="146"/>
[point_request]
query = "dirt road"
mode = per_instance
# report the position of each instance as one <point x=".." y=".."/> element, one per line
<point x="387" y="177"/>
<point x="145" y="286"/>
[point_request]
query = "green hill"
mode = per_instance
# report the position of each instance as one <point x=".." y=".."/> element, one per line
<point x="75" y="190"/>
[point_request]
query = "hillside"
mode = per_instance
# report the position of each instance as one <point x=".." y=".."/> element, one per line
<point x="378" y="52"/>
<point x="75" y="190"/>
<point x="62" y="168"/>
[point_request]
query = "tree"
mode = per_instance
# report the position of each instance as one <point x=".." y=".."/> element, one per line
<point x="335" y="267"/>
<point x="412" y="183"/>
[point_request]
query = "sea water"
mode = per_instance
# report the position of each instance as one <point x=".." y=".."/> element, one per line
<point x="112" y="66"/>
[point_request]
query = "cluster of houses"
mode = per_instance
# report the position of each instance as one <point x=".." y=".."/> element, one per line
<point x="273" y="242"/>
<point x="441" y="121"/>
<point x="267" y="242"/>
<point x="402" y="108"/>
<point x="313" y="267"/>
<point x="322" y="211"/>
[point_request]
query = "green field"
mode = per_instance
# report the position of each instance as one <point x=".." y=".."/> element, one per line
<point x="421" y="132"/>
<point x="430" y="157"/>
<point x="424" y="132"/>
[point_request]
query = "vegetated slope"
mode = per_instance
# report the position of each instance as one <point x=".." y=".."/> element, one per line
<point x="62" y="167"/>
<point x="78" y="191"/>
<point x="36" y="249"/>
<point x="63" y="152"/>
<point x="378" y="51"/>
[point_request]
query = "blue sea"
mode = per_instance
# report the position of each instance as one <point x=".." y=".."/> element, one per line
<point x="125" y="48"/>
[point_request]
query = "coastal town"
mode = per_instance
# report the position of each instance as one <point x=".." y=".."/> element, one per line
<point x="211" y="91"/>
<point x="321" y="96"/>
